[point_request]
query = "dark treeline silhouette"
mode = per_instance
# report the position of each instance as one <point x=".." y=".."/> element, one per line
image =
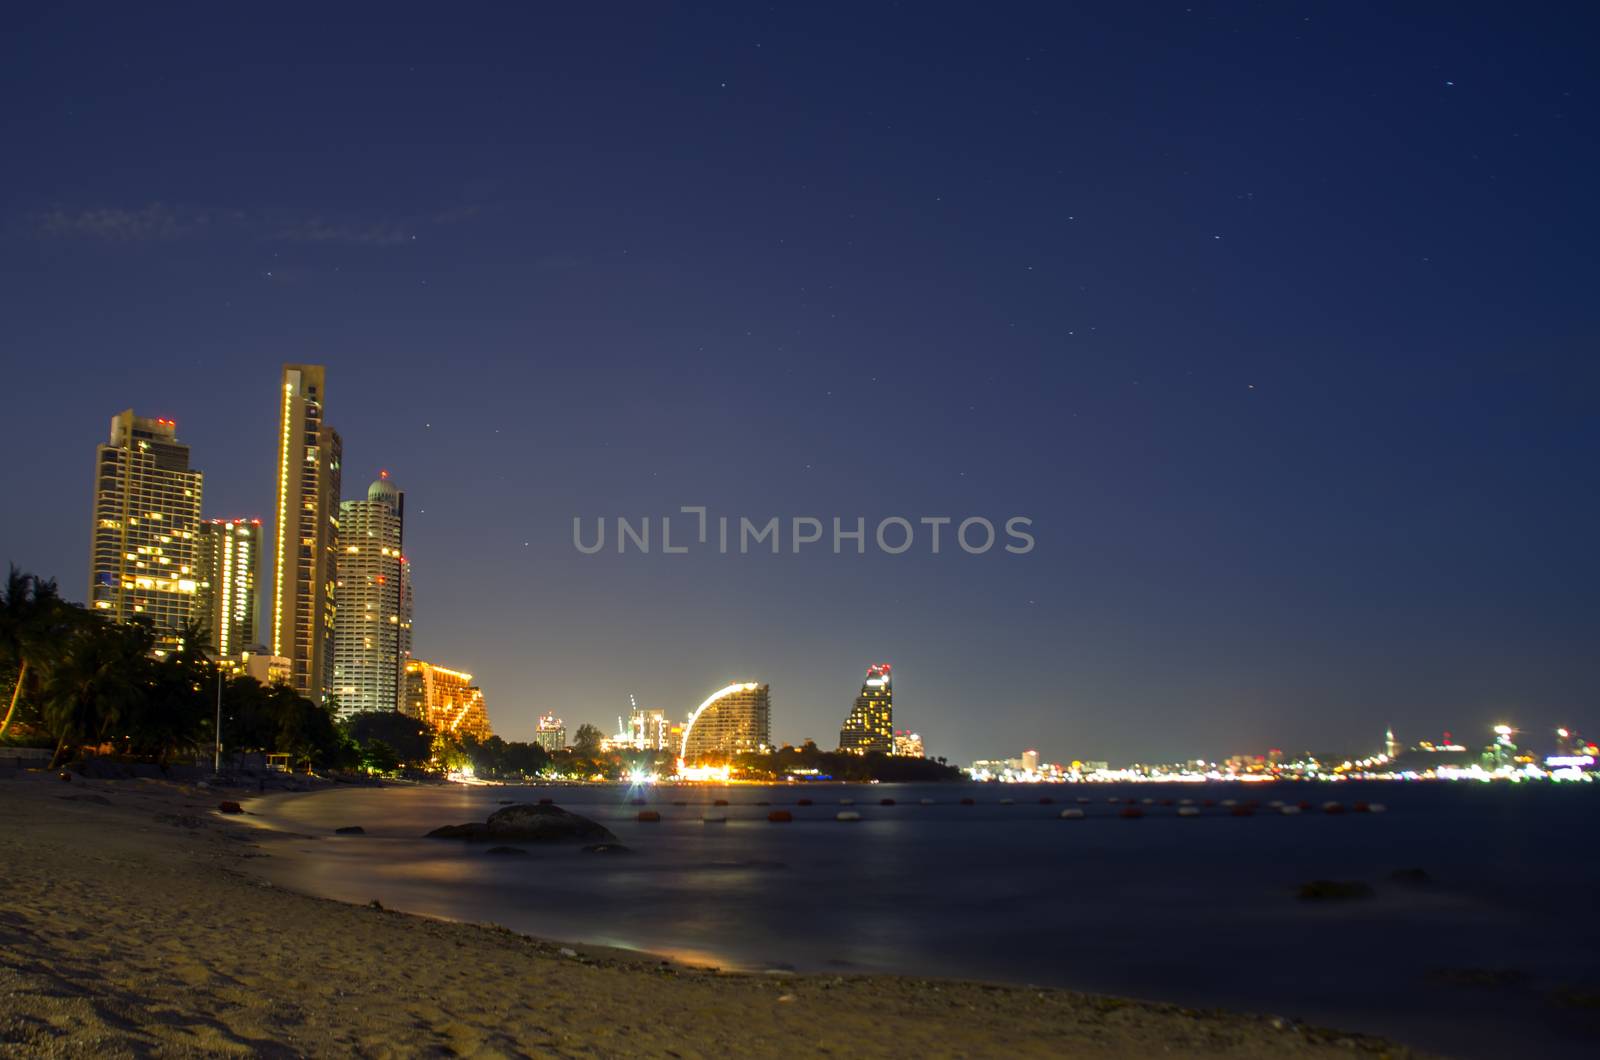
<point x="844" y="765"/>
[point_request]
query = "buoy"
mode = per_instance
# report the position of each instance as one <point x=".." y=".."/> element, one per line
<point x="1188" y="811"/>
<point x="926" y="802"/>
<point x="1185" y="802"/>
<point x="1208" y="802"/>
<point x="885" y="802"/>
<point x="1046" y="800"/>
<point x="1113" y="799"/>
<point x="648" y="816"/>
<point x="763" y="802"/>
<point x="719" y="802"/>
<point x="1007" y="802"/>
<point x="1084" y="799"/>
<point x="1230" y="802"/>
<point x="1131" y="812"/>
<point x="847" y="815"/>
<point x="1377" y="807"/>
<point x="1304" y="804"/>
<point x="847" y="802"/>
<point x="969" y="802"/>
<point x="803" y="802"/>
<point x="1289" y="811"/>
<point x="1359" y="807"/>
<point x="780" y="816"/>
<point x="713" y="820"/>
<point x="1148" y="802"/>
<point x="1275" y="803"/>
<point x="1242" y="811"/>
<point x="1072" y="814"/>
<point x="1333" y="807"/>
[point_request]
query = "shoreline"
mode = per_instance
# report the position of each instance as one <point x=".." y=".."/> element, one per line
<point x="132" y="923"/>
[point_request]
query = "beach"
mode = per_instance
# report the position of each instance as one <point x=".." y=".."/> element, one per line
<point x="133" y="923"/>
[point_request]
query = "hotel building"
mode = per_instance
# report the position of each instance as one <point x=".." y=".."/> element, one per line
<point x="146" y="522"/>
<point x="551" y="733"/>
<point x="372" y="625"/>
<point x="306" y="533"/>
<point x="446" y="699"/>
<point x="870" y="726"/>
<point x="732" y="720"/>
<point x="227" y="554"/>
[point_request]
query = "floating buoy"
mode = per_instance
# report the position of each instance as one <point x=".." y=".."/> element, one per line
<point x="847" y="815"/>
<point x="1046" y="800"/>
<point x="1304" y="804"/>
<point x="969" y="802"/>
<point x="1377" y="807"/>
<point x="926" y="802"/>
<point x="1242" y="811"/>
<point x="719" y="802"/>
<point x="885" y="802"/>
<point x="547" y="802"/>
<point x="1185" y="802"/>
<point x="1230" y="802"/>
<point x="1007" y="802"/>
<point x="763" y="802"/>
<point x="1188" y="811"/>
<point x="1113" y="799"/>
<point x="1333" y="807"/>
<point x="1275" y="803"/>
<point x="1359" y="807"/>
<point x="1148" y="802"/>
<point x="713" y="820"/>
<point x="1072" y="814"/>
<point x="1289" y="811"/>
<point x="1208" y="802"/>
<point x="1084" y="799"/>
<point x="803" y="802"/>
<point x="847" y="802"/>
<point x="780" y="816"/>
<point x="1131" y="812"/>
<point x="648" y="816"/>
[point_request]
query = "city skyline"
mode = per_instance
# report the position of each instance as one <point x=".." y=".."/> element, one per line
<point x="1295" y="399"/>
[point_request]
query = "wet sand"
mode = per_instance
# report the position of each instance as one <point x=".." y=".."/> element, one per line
<point x="131" y="923"/>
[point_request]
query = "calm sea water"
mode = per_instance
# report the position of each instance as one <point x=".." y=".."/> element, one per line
<point x="1200" y="911"/>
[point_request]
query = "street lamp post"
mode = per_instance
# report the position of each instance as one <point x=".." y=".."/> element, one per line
<point x="216" y="757"/>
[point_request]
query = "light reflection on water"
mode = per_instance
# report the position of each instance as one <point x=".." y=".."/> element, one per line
<point x="1199" y="911"/>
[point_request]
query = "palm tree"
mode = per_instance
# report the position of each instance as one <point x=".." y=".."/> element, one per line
<point x="98" y="680"/>
<point x="32" y="620"/>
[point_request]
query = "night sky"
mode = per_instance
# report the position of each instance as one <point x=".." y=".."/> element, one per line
<point x="1278" y="319"/>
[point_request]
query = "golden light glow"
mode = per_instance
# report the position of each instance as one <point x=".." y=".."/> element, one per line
<point x="749" y="686"/>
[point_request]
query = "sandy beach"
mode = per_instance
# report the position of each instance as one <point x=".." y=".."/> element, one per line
<point x="131" y="923"/>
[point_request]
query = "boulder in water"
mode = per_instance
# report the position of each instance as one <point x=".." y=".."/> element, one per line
<point x="528" y="823"/>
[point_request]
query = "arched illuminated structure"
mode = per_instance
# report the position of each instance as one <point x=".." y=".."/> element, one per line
<point x="732" y="719"/>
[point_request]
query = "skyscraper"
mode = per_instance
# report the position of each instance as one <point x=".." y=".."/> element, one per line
<point x="732" y="720"/>
<point x="146" y="521"/>
<point x="870" y="726"/>
<point x="446" y="699"/>
<point x="372" y="625"/>
<point x="552" y="732"/>
<point x="227" y="555"/>
<point x="306" y="532"/>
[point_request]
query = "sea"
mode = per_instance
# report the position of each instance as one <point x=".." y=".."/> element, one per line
<point x="1492" y="948"/>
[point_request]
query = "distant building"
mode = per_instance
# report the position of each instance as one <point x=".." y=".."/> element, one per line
<point x="1391" y="746"/>
<point x="304" y="564"/>
<point x="734" y="719"/>
<point x="372" y="624"/>
<point x="142" y="562"/>
<point x="446" y="699"/>
<point x="267" y="669"/>
<point x="870" y="726"/>
<point x="1030" y="761"/>
<point x="551" y="733"/>
<point x="227" y="557"/>
<point x="908" y="744"/>
<point x="645" y="730"/>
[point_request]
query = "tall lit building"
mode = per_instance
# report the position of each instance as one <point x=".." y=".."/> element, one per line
<point x="908" y="744"/>
<point x="870" y="726"/>
<point x="146" y="524"/>
<point x="1391" y="746"/>
<point x="372" y="625"/>
<point x="227" y="556"/>
<point x="446" y="699"/>
<point x="732" y="720"/>
<point x="306" y="533"/>
<point x="551" y="733"/>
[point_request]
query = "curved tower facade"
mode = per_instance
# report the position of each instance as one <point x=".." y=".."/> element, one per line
<point x="735" y="719"/>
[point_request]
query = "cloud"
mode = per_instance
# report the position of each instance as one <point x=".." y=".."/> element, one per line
<point x="167" y="222"/>
<point x="157" y="221"/>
